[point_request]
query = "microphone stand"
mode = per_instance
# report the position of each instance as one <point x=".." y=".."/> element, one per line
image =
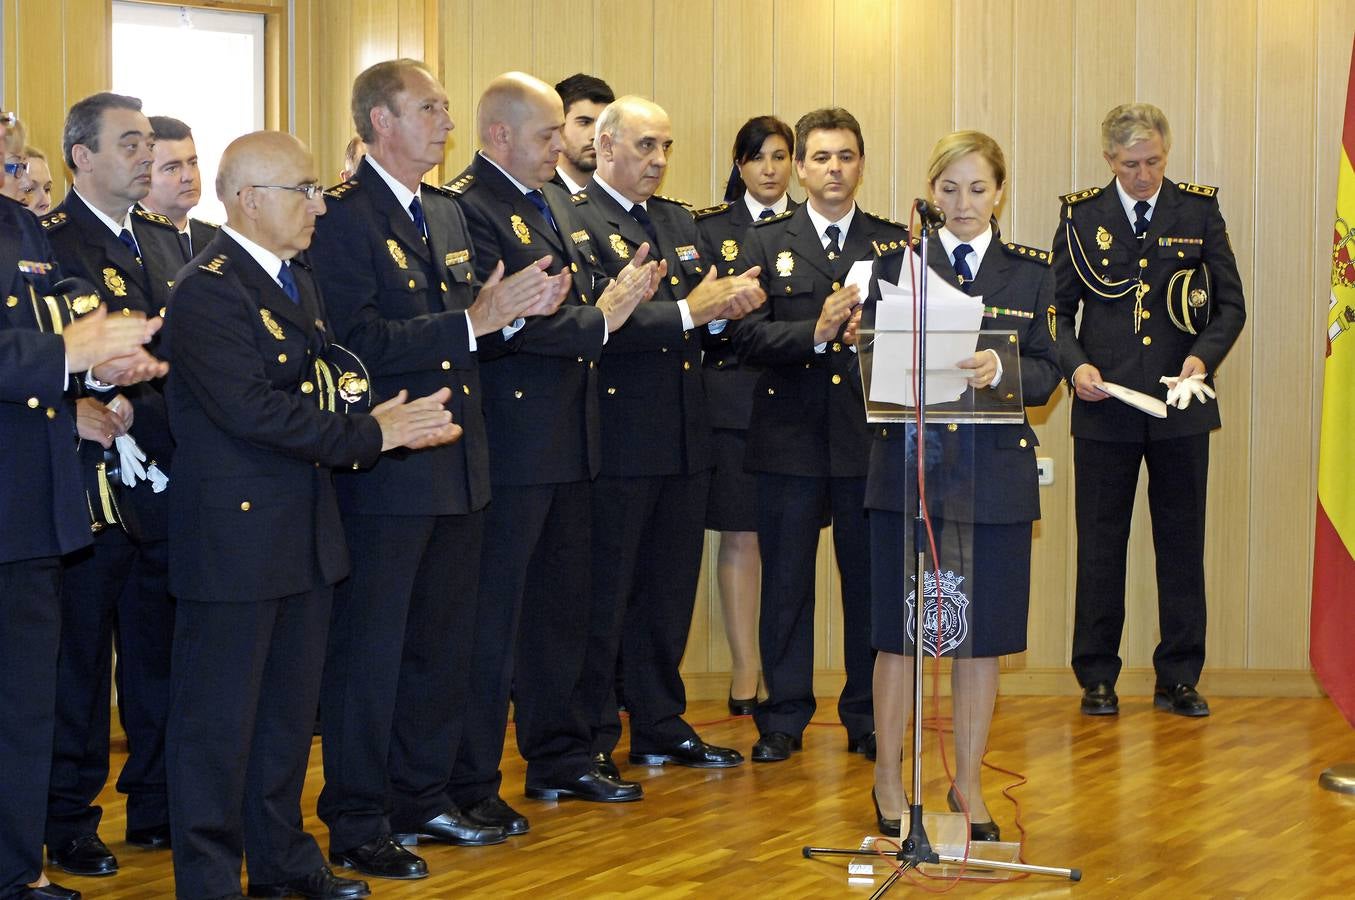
<point x="916" y="849"/>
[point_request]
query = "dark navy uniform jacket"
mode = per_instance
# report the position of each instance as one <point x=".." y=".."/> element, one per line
<point x="42" y="498"/>
<point x="1098" y="266"/>
<point x="253" y="511"/>
<point x="399" y="303"/>
<point x="541" y="403"/>
<point x="993" y="465"/>
<point x="650" y="394"/>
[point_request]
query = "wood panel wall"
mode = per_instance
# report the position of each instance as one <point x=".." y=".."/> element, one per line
<point x="1254" y="92"/>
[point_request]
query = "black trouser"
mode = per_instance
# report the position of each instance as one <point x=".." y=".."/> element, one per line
<point x="790" y="517"/>
<point x="116" y="589"/>
<point x="246" y="678"/>
<point x="394" y="689"/>
<point x="530" y="625"/>
<point x="647" y="542"/>
<point x="1107" y="475"/>
<point x="30" y="631"/>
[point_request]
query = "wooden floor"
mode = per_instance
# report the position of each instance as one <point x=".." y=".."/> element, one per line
<point x="1146" y="805"/>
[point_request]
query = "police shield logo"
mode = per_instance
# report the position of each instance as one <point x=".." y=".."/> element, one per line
<point x="952" y="614"/>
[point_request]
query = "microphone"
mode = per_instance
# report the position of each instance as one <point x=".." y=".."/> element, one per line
<point x="932" y="217"/>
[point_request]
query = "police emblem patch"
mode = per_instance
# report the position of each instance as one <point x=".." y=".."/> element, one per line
<point x="520" y="229"/>
<point x="785" y="263"/>
<point x="619" y="246"/>
<point x="113" y="281"/>
<point x="952" y="616"/>
<point x="729" y="250"/>
<point x="397" y="253"/>
<point x="1102" y="237"/>
<point x="272" y="325"/>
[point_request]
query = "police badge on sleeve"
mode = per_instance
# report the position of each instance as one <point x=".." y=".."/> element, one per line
<point x="952" y="615"/>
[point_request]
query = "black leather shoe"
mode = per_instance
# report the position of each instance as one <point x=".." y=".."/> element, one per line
<point x="775" y="746"/>
<point x="493" y="811"/>
<point x="322" y="883"/>
<point x="382" y="858"/>
<point x="978" y="831"/>
<point x="452" y="827"/>
<point x="86" y="855"/>
<point x="592" y="786"/>
<point x="1181" y="699"/>
<point x="741" y="707"/>
<point x="1100" y="700"/>
<point x="693" y="753"/>
<point x="49" y="891"/>
<point x="156" y="838"/>
<point x="865" y="745"/>
<point x="888" y="827"/>
<point x="604" y="763"/>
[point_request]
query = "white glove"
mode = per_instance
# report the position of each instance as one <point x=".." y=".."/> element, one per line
<point x="1180" y="391"/>
<point x="132" y="459"/>
<point x="158" y="479"/>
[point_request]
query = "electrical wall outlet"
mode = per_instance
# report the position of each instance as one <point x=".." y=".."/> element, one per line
<point x="1045" y="467"/>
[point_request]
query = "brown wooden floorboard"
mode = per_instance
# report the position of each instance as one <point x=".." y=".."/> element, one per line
<point x="1146" y="804"/>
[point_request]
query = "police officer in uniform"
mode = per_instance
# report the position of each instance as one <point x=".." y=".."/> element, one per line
<point x="396" y="264"/>
<point x="540" y="381"/>
<point x="118" y="588"/>
<point x="40" y="350"/>
<point x="649" y="501"/>
<point x="256" y="545"/>
<point x="763" y="150"/>
<point x="176" y="183"/>
<point x="808" y="440"/>
<point x="1148" y="262"/>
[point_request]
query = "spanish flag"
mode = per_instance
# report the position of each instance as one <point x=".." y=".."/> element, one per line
<point x="1333" y="618"/>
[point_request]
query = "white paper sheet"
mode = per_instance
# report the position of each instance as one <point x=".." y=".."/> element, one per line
<point x="953" y="322"/>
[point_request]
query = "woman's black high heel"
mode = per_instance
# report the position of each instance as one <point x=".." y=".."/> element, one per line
<point x="978" y="831"/>
<point x="888" y="827"/>
<point x="741" y="707"/>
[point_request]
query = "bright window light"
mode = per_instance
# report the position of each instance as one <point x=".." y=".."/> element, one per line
<point x="202" y="66"/>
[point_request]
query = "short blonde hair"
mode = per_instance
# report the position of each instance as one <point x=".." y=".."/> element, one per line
<point x="1129" y="123"/>
<point x="15" y="138"/>
<point x="959" y="144"/>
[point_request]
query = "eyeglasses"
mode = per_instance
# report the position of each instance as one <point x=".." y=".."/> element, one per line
<point x="15" y="168"/>
<point x="310" y="190"/>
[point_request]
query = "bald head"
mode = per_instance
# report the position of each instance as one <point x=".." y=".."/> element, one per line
<point x="519" y="119"/>
<point x="633" y="143"/>
<point x="254" y="180"/>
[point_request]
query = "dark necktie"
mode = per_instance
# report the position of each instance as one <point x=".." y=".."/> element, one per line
<point x="959" y="259"/>
<point x="766" y="213"/>
<point x="647" y="224"/>
<point x="834" y="247"/>
<point x="1141" y="218"/>
<point x="539" y="201"/>
<point x="130" y="243"/>
<point x="186" y="245"/>
<point x="288" y="283"/>
<point x="416" y="210"/>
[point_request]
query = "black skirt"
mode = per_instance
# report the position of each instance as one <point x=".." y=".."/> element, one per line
<point x="985" y="587"/>
<point x="733" y="492"/>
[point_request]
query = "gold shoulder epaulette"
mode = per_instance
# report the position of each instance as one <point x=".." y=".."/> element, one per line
<point x="444" y="191"/>
<point x="1043" y="256"/>
<point x="888" y="248"/>
<point x="682" y="203"/>
<point x="459" y="184"/>
<point x="579" y="198"/>
<point x="776" y="218"/>
<point x="216" y="265"/>
<point x="341" y="190"/>
<point x="54" y="221"/>
<point x="1079" y="196"/>
<point x="711" y="210"/>
<point x="1203" y="190"/>
<point x="153" y="217"/>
